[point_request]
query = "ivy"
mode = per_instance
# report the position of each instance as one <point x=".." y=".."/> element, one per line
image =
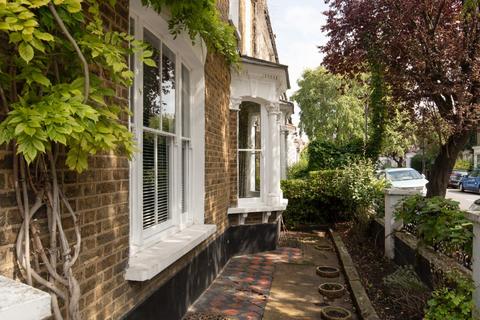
<point x="200" y="18"/>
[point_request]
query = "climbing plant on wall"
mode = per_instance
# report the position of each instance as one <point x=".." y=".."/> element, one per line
<point x="57" y="109"/>
<point x="200" y="18"/>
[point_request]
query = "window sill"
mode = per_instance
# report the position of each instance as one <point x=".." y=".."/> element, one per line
<point x="258" y="207"/>
<point x="22" y="302"/>
<point x="152" y="260"/>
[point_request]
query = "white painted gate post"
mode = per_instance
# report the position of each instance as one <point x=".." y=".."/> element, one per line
<point x="392" y="197"/>
<point x="475" y="218"/>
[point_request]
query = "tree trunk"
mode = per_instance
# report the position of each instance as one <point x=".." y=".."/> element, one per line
<point x="444" y="163"/>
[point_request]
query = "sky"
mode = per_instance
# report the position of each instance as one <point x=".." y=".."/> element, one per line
<point x="297" y="24"/>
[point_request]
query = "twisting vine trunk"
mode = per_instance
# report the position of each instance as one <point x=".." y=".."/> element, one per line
<point x="58" y="260"/>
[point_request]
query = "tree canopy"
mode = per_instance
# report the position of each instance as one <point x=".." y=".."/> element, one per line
<point x="399" y="136"/>
<point x="429" y="52"/>
<point x="332" y="107"/>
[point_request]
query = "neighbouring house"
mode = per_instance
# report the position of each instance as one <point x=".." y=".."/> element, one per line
<point x="213" y="144"/>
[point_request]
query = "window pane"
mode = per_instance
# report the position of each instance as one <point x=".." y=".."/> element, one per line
<point x="249" y="174"/>
<point x="185" y="102"/>
<point x="168" y="89"/>
<point x="185" y="174"/>
<point x="149" y="210"/>
<point x="151" y="86"/>
<point x="249" y="122"/>
<point x="163" y="177"/>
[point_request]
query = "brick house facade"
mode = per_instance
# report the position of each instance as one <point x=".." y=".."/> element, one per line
<point x="115" y="275"/>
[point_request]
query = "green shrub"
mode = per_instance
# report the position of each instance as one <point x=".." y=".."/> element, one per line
<point x="298" y="170"/>
<point x="453" y="303"/>
<point x="417" y="161"/>
<point x="438" y="222"/>
<point x="463" y="165"/>
<point x="325" y="155"/>
<point x="327" y="196"/>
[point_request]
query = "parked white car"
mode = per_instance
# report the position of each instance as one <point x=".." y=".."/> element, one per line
<point x="406" y="178"/>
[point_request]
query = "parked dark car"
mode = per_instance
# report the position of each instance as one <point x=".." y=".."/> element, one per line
<point x="456" y="177"/>
<point x="470" y="182"/>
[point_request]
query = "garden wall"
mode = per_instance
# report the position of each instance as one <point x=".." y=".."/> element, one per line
<point x="429" y="264"/>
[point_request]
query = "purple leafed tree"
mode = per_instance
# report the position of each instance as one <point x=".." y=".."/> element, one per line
<point x="429" y="52"/>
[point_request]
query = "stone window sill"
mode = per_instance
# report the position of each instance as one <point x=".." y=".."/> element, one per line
<point x="150" y="261"/>
<point x="251" y="208"/>
<point x="22" y="302"/>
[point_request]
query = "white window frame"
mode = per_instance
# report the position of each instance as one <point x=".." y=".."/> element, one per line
<point x="234" y="13"/>
<point x="264" y="141"/>
<point x="193" y="58"/>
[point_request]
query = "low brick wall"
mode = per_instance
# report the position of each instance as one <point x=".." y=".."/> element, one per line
<point x="429" y="264"/>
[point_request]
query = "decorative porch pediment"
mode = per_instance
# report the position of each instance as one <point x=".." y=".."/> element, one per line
<point x="258" y="80"/>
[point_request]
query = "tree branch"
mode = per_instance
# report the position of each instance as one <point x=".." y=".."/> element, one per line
<point x="65" y="31"/>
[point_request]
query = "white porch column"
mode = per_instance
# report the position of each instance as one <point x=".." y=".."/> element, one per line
<point x="475" y="218"/>
<point x="476" y="153"/>
<point x="273" y="155"/>
<point x="283" y="153"/>
<point x="392" y="197"/>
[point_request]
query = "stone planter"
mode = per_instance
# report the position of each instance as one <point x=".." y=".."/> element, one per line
<point x="323" y="247"/>
<point x="328" y="271"/>
<point x="331" y="290"/>
<point x="335" y="313"/>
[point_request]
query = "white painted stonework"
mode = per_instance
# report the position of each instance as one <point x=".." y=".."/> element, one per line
<point x="19" y="301"/>
<point x="264" y="83"/>
<point x="474" y="217"/>
<point x="147" y="263"/>
<point x="476" y="156"/>
<point x="392" y="198"/>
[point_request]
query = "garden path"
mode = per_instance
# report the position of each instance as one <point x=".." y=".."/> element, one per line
<point x="280" y="284"/>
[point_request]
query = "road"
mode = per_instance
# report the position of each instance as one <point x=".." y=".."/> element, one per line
<point x="465" y="198"/>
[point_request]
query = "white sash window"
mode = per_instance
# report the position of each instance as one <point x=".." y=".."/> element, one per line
<point x="167" y="103"/>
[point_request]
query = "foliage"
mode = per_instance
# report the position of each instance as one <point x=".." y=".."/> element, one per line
<point x="312" y="200"/>
<point x="463" y="165"/>
<point x="451" y="303"/>
<point x="430" y="54"/>
<point x="334" y="195"/>
<point x="360" y="190"/>
<point x="429" y="158"/>
<point x="408" y="289"/>
<point x="405" y="278"/>
<point x="399" y="136"/>
<point x="332" y="107"/>
<point x="300" y="169"/>
<point x="74" y="108"/>
<point x="325" y="155"/>
<point x="200" y="18"/>
<point x="439" y="223"/>
<point x="377" y="108"/>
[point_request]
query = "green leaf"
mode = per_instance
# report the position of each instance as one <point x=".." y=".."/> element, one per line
<point x="38" y="145"/>
<point x="43" y="36"/>
<point x="150" y="63"/>
<point x="15" y="37"/>
<point x="41" y="79"/>
<point x="37" y="44"/>
<point x="30" y="131"/>
<point x="26" y="51"/>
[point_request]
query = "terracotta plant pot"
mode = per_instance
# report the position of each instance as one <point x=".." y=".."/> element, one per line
<point x="331" y="290"/>
<point x="324" y="247"/>
<point x="336" y="313"/>
<point x="328" y="271"/>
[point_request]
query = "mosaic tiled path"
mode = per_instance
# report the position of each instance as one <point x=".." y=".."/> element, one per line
<point x="241" y="290"/>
